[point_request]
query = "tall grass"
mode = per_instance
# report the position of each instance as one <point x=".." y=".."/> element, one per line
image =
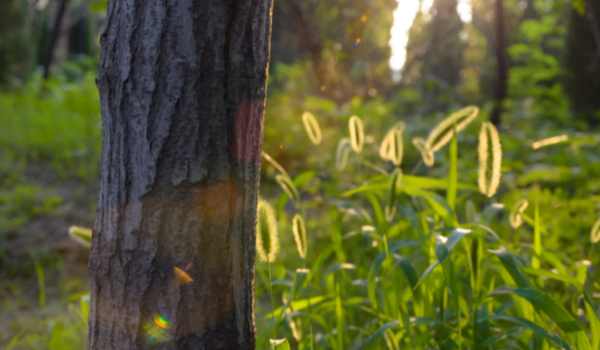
<point x="398" y="265"/>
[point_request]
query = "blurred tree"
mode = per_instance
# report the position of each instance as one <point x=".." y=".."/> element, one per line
<point x="480" y="66"/>
<point x="536" y="69"/>
<point x="16" y="49"/>
<point x="345" y="41"/>
<point x="435" y="55"/>
<point x="52" y="37"/>
<point x="582" y="62"/>
<point x="501" y="62"/>
<point x="182" y="91"/>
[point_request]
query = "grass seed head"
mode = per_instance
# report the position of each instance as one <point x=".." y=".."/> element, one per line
<point x="267" y="238"/>
<point x="299" y="230"/>
<point x="444" y="131"/>
<point x="427" y="155"/>
<point x="81" y="235"/>
<point x="392" y="146"/>
<point x="515" y="218"/>
<point x="342" y="153"/>
<point x="357" y="133"/>
<point x="490" y="159"/>
<point x="311" y="125"/>
<point x="595" y="235"/>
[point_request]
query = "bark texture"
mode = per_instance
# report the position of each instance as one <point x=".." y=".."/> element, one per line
<point x="182" y="86"/>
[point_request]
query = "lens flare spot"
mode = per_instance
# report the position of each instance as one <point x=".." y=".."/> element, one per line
<point x="181" y="277"/>
<point x="357" y="42"/>
<point x="161" y="321"/>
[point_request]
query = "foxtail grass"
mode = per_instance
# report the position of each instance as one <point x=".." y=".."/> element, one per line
<point x="357" y="133"/>
<point x="392" y="147"/>
<point x="444" y="131"/>
<point x="490" y="159"/>
<point x="311" y="125"/>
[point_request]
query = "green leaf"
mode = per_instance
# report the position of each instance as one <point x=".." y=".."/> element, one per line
<point x="373" y="338"/>
<point x="499" y="337"/>
<point x="545" y="303"/>
<point x="304" y="178"/>
<point x="280" y="344"/>
<point x="409" y="271"/>
<point x="546" y="273"/>
<point x="430" y="183"/>
<point x="455" y="236"/>
<point x="594" y="319"/>
<point x="391" y="205"/>
<point x="297" y="305"/>
<point x="535" y="328"/>
<point x="512" y="265"/>
<point x="339" y="317"/>
<point x="442" y="253"/>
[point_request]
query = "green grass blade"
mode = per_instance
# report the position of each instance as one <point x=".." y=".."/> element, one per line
<point x="545" y="303"/>
<point x="373" y="338"/>
<point x="512" y="265"/>
<point x="536" y="329"/>
<point x="442" y="253"/>
<point x="297" y="305"/>
<point x="409" y="271"/>
<point x="339" y="317"/>
<point x="499" y="337"/>
<point x="546" y="273"/>
<point x="594" y="319"/>
<point x="453" y="174"/>
<point x="455" y="236"/>
<point x="41" y="281"/>
<point x="537" y="239"/>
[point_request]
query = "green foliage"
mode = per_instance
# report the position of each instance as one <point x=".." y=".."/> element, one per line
<point x="393" y="265"/>
<point x="55" y="123"/>
<point x="16" y="49"/>
<point x="22" y="202"/>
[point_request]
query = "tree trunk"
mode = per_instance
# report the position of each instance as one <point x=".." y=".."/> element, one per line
<point x="53" y="38"/>
<point x="590" y="13"/>
<point x="502" y="64"/>
<point x="182" y="86"/>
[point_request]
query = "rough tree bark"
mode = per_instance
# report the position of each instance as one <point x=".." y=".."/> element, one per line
<point x="182" y="86"/>
<point x="502" y="64"/>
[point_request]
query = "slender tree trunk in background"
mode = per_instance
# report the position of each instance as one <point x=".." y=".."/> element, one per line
<point x="182" y="86"/>
<point x="52" y="39"/>
<point x="591" y="15"/>
<point x="502" y="64"/>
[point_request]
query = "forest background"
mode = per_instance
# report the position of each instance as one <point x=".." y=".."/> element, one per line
<point x="531" y="66"/>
